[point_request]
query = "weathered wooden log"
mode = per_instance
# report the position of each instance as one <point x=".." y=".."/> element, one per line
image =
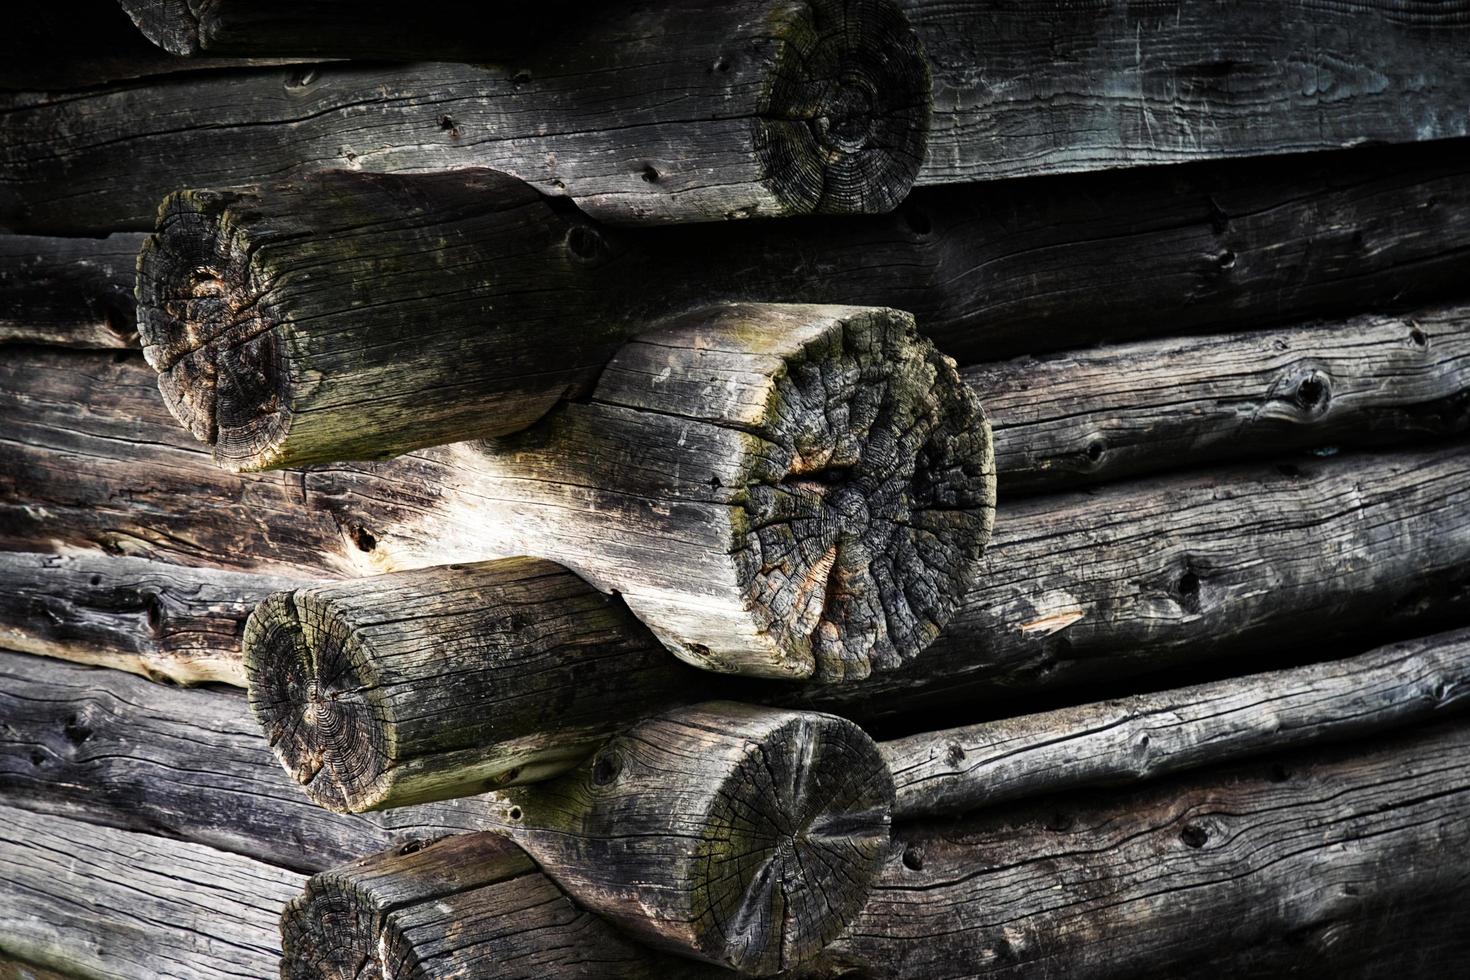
<point x="1098" y="414"/>
<point x="777" y="108"/>
<point x="96" y="901"/>
<point x="443" y="682"/>
<point x="75" y="292"/>
<point x="1149" y="735"/>
<point x="14" y="969"/>
<point x="741" y="836"/>
<point x="104" y="747"/>
<point x="468" y="906"/>
<point x="1045" y="86"/>
<point x="1344" y="859"/>
<point x="167" y="622"/>
<point x="816" y="510"/>
<point x="1141" y="576"/>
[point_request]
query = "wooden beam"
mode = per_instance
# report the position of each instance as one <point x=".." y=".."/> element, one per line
<point x="103" y="902"/>
<point x="1045" y="86"/>
<point x="1121" y="410"/>
<point x="72" y="292"/>
<point x="741" y="836"/>
<point x="442" y="682"/>
<point x="107" y="748"/>
<point x="1335" y="857"/>
<point x="472" y="905"/>
<point x="1146" y="736"/>
<point x="778" y="109"/>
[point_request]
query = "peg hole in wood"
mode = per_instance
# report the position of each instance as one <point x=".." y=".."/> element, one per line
<point x="95" y="580"/>
<point x="650" y="175"/>
<point x="1313" y="393"/>
<point x="1418" y="337"/>
<point x="1194" y="835"/>
<point x="605" y="770"/>
<point x="913" y="859"/>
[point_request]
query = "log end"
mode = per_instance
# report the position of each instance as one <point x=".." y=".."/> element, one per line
<point x="742" y="836"/>
<point x="313" y="693"/>
<point x="208" y="328"/>
<point x="844" y="124"/>
<point x="170" y="24"/>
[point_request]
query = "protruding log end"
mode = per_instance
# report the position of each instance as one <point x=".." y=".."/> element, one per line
<point x="173" y="25"/>
<point x="844" y="125"/>
<point x="208" y="328"/>
<point x="322" y="709"/>
<point x="865" y="498"/>
<point x="742" y="836"/>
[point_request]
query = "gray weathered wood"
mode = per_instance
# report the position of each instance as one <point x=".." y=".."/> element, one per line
<point x="112" y="903"/>
<point x="765" y="108"/>
<point x="745" y="837"/>
<point x="104" y="747"/>
<point x="467" y="906"/>
<point x="442" y="682"/>
<point x="1138" y="576"/>
<point x="75" y="292"/>
<point x="1047" y="86"/>
<point x="167" y="622"/>
<point x="1098" y="414"/>
<point x="1336" y="862"/>
<point x="1149" y="735"/>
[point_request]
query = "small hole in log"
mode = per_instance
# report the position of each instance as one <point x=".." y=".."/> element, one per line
<point x="1226" y="260"/>
<point x="1439" y="691"/>
<point x="1311" y="393"/>
<point x="714" y="483"/>
<point x="301" y="77"/>
<point x="913" y="859"/>
<point x="584" y="242"/>
<point x="1189" y="584"/>
<point x="76" y="733"/>
<point x="605" y="770"/>
<point x="456" y="568"/>
<point x="515" y="813"/>
<point x="38" y="759"/>
<point x="1419" y="337"/>
<point x="956" y="754"/>
<point x="446" y="123"/>
<point x="153" y="613"/>
<point x="412" y="847"/>
<point x="650" y="175"/>
<point x="95" y="580"/>
<point x="722" y="64"/>
<point x="1095" y="450"/>
<point x="363" y="538"/>
<point x="1194" y="836"/>
<point x="521" y="78"/>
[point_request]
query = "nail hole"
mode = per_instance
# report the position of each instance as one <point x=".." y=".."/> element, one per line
<point x="1419" y="337"/>
<point x="1194" y="836"/>
<point x="605" y="770"/>
<point x="650" y="175"/>
<point x="722" y="64"/>
<point x="38" y="759"/>
<point x="515" y="813"/>
<point x="913" y="859"/>
<point x="95" y="580"/>
<point x="1226" y="259"/>
<point x="1095" y="450"/>
<point x="445" y="122"/>
<point x="584" y="242"/>
<point x="412" y="847"/>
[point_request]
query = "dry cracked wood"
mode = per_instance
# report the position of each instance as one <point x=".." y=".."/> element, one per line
<point x="107" y="748"/>
<point x="764" y="108"/>
<point x="167" y="622"/>
<point x="742" y="836"/>
<point x="74" y="292"/>
<point x="1046" y="86"/>
<point x="1091" y="415"/>
<point x="1339" y="862"/>
<point x="1139" y="576"/>
<point x="466" y="906"/>
<point x="442" y="682"/>
<point x="1149" y="735"/>
<point x="101" y="902"/>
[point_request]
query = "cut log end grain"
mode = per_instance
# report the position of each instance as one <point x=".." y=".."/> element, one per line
<point x="173" y="25"/>
<point x="866" y="488"/>
<point x="742" y="836"/>
<point x="843" y="125"/>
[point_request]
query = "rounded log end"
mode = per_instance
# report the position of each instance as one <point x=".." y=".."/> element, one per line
<point x="170" y="24"/>
<point x="843" y="126"/>
<point x="208" y="328"/>
<point x="771" y="826"/>
<point x="329" y="933"/>
<point x="319" y="704"/>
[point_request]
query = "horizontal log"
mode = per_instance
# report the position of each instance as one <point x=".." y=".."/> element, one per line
<point x="1044" y="86"/>
<point x="72" y="292"/>
<point x="1124" y="409"/>
<point x="167" y="622"/>
<point x="744" y="837"/>
<point x="1137" y="577"/>
<point x="1149" y="735"/>
<point x="770" y="108"/>
<point x="107" y="748"/>
<point x="103" y="902"/>
<point x="13" y="969"/>
<point x="1337" y="858"/>
<point x="442" y="682"/>
<point x="467" y="906"/>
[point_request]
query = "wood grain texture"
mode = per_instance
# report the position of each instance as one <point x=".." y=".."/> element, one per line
<point x="72" y="292"/>
<point x="167" y="622"/>
<point x="1338" y="861"/>
<point x="102" y="902"/>
<point x="1149" y="735"/>
<point x="107" y="748"/>
<point x="468" y="906"/>
<point x="744" y="837"/>
<point x="1041" y="86"/>
<point x="443" y="682"/>
<point x="1119" y="410"/>
<point x="764" y="108"/>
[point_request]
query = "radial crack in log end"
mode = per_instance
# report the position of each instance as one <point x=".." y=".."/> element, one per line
<point x="742" y="836"/>
<point x="843" y="124"/>
<point x="866" y="485"/>
<point x="442" y="682"/>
